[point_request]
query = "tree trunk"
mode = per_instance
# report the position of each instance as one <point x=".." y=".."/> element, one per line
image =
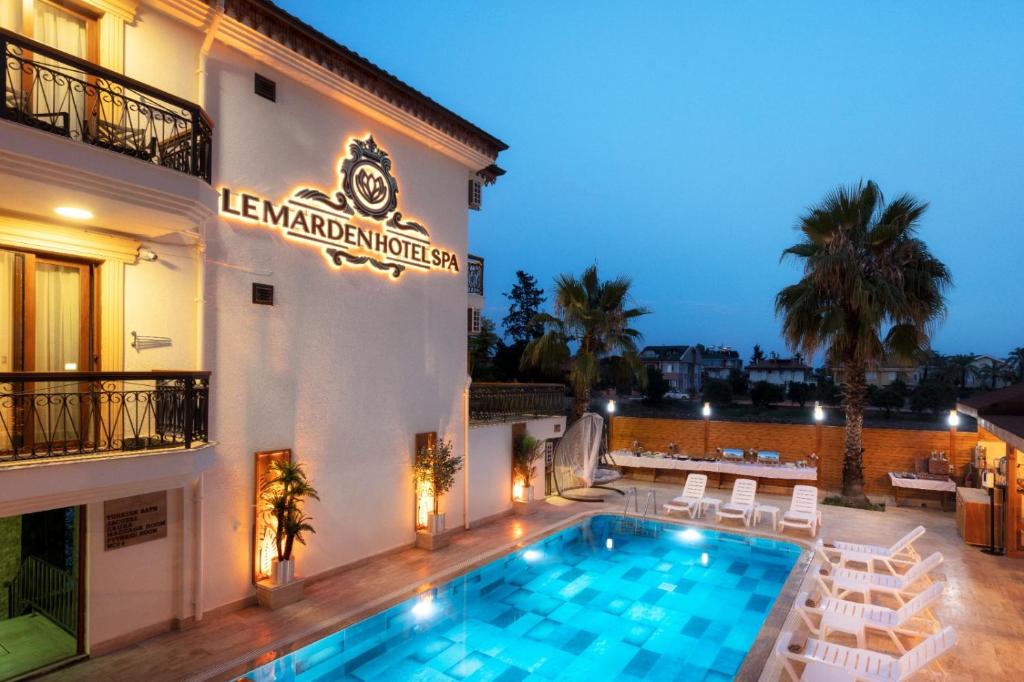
<point x="854" y="396"/>
<point x="581" y="401"/>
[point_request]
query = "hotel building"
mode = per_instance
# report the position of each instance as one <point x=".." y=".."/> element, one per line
<point x="222" y="234"/>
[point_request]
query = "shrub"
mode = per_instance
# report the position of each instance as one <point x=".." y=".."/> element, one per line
<point x="764" y="394"/>
<point x="718" y="392"/>
<point x="657" y="387"/>
<point x="799" y="392"/>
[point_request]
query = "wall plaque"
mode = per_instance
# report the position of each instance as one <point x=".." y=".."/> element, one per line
<point x="131" y="520"/>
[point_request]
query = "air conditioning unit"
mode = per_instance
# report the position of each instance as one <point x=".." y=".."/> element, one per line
<point x="475" y="193"/>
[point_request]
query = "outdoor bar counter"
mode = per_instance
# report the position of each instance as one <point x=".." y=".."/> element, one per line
<point x="769" y="474"/>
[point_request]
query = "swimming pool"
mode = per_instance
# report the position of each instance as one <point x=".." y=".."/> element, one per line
<point x="604" y="599"/>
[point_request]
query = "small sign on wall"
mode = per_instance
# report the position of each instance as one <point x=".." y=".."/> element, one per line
<point x="132" y="520"/>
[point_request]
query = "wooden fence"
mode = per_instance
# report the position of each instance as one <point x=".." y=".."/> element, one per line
<point x="885" y="450"/>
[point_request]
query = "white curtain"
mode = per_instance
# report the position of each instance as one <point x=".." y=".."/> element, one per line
<point x="6" y="343"/>
<point x="58" y="344"/>
<point x="66" y="32"/>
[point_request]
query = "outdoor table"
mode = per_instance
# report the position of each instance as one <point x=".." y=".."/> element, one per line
<point x="769" y="509"/>
<point x="786" y="472"/>
<point x="900" y="480"/>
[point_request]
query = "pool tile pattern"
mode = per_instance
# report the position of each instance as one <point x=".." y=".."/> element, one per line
<point x="601" y="600"/>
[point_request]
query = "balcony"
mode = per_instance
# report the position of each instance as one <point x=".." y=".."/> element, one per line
<point x="508" y="402"/>
<point x="475" y="274"/>
<point x="57" y="93"/>
<point x="46" y="415"/>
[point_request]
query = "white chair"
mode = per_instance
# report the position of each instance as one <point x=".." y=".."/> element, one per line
<point x="901" y="552"/>
<point x="842" y="582"/>
<point x="803" y="510"/>
<point x="914" y="619"/>
<point x="693" y="494"/>
<point x="742" y="504"/>
<point x="826" y="661"/>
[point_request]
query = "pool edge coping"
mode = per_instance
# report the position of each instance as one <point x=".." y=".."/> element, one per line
<point x="753" y="662"/>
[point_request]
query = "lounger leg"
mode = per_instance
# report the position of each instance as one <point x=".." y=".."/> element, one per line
<point x="896" y="640"/>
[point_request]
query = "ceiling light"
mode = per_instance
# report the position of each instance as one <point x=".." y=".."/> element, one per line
<point x="73" y="212"/>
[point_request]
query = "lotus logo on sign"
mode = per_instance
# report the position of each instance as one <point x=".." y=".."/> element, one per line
<point x="358" y="225"/>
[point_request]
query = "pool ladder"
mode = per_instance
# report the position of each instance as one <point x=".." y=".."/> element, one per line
<point x="637" y="524"/>
<point x="651" y="500"/>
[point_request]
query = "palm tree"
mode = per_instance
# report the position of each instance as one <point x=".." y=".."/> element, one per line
<point x="960" y="367"/>
<point x="869" y="288"/>
<point x="594" y="317"/>
<point x="987" y="375"/>
<point x="482" y="345"/>
<point x="1016" y="361"/>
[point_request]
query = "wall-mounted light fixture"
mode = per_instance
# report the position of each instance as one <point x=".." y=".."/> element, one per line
<point x="73" y="212"/>
<point x="610" y="407"/>
<point x="819" y="413"/>
<point x="147" y="254"/>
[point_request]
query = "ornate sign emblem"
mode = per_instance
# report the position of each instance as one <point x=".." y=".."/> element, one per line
<point x="367" y="179"/>
<point x="358" y="225"/>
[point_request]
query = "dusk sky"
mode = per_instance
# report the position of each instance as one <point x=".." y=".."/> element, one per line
<point x="678" y="142"/>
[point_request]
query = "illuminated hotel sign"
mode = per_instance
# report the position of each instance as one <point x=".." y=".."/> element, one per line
<point x="359" y="225"/>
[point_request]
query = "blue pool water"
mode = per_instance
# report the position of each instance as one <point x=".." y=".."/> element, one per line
<point x="599" y="601"/>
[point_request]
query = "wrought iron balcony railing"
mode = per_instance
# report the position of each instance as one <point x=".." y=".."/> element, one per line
<point x="62" y="414"/>
<point x="506" y="402"/>
<point x="61" y="94"/>
<point x="475" y="274"/>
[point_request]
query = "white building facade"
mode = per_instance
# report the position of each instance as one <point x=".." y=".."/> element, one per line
<point x="252" y="240"/>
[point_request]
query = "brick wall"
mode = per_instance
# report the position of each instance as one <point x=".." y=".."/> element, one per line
<point x="885" y="450"/>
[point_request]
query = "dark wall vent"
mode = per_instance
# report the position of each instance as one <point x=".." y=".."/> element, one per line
<point x="262" y="294"/>
<point x="266" y="88"/>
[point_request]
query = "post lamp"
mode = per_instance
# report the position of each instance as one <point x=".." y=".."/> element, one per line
<point x="610" y="408"/>
<point x="707" y="425"/>
<point x="819" y="417"/>
<point x="954" y="421"/>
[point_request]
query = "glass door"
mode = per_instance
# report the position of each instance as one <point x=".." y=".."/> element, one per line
<point x="47" y="316"/>
<point x="41" y="614"/>
<point x="60" y="96"/>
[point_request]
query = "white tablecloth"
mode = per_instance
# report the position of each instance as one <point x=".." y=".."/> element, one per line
<point x="624" y="458"/>
<point x="946" y="486"/>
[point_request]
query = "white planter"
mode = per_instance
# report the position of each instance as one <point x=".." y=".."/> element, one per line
<point x="528" y="494"/>
<point x="282" y="572"/>
<point x="435" y="523"/>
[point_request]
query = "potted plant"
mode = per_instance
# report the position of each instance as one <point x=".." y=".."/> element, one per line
<point x="525" y="452"/>
<point x="435" y="466"/>
<point x="284" y="492"/>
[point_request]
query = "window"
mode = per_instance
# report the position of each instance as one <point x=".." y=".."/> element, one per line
<point x="64" y="29"/>
<point x="473" y="319"/>
<point x="475" y="193"/>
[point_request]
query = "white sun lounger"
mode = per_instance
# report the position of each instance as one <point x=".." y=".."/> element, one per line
<point x="824" y="661"/>
<point x="803" y="510"/>
<point x="900" y="552"/>
<point x="693" y="495"/>
<point x="741" y="506"/>
<point x="914" y="619"/>
<point x="842" y="582"/>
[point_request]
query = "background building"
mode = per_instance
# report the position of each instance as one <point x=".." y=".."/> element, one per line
<point x="780" y="371"/>
<point x="679" y="365"/>
<point x="719" y="362"/>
